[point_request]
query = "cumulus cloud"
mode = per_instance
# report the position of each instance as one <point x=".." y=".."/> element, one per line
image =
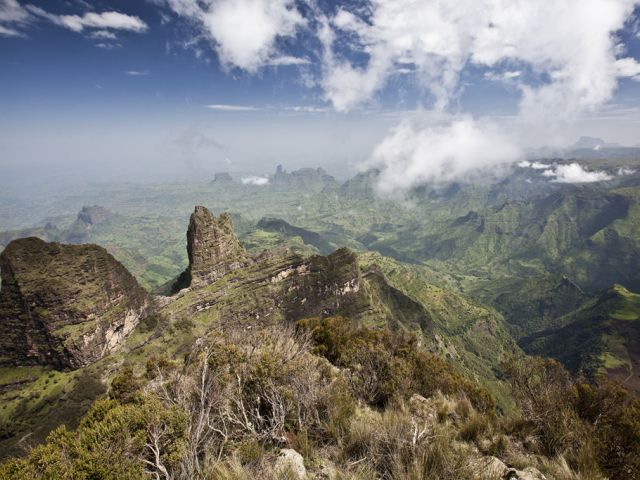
<point x="461" y="150"/>
<point x="562" y="70"/>
<point x="244" y="32"/>
<point x="575" y="173"/>
<point x="255" y="180"/>
<point x="623" y="171"/>
<point x="628" y="67"/>
<point x="574" y="61"/>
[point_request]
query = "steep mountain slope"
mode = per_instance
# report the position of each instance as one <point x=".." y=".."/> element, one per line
<point x="470" y="335"/>
<point x="64" y="305"/>
<point x="531" y="304"/>
<point x="271" y="288"/>
<point x="601" y="338"/>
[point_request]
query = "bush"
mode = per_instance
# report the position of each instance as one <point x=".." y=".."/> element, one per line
<point x="383" y="364"/>
<point x="597" y="427"/>
<point x="124" y="386"/>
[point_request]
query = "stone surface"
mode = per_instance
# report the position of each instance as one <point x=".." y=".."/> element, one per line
<point x="492" y="468"/>
<point x="212" y="247"/>
<point x="290" y="462"/>
<point x="64" y="305"/>
<point x="324" y="286"/>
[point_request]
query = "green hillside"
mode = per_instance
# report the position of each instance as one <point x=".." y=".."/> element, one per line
<point x="601" y="338"/>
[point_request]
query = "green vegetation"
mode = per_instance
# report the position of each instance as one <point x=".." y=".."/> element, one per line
<point x="398" y="357"/>
<point x="601" y="338"/>
<point x="241" y="395"/>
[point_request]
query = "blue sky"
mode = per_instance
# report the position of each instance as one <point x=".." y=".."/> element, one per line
<point x="186" y="87"/>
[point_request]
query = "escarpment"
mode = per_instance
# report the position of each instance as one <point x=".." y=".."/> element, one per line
<point x="273" y="284"/>
<point x="64" y="305"/>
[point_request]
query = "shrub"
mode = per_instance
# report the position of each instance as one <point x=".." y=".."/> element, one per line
<point x="124" y="386"/>
<point x="384" y="364"/>
<point x="597" y="427"/>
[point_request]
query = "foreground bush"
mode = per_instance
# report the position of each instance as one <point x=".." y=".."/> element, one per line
<point x="356" y="403"/>
<point x="597" y="427"/>
<point x="384" y="364"/>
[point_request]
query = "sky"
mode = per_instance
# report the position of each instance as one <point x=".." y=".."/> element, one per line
<point x="424" y="90"/>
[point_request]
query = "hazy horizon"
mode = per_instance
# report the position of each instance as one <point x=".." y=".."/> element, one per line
<point x="175" y="90"/>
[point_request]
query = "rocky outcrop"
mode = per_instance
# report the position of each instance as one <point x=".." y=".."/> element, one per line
<point x="303" y="177"/>
<point x="88" y="218"/>
<point x="290" y="464"/>
<point x="325" y="286"/>
<point x="212" y="247"/>
<point x="223" y="178"/>
<point x="64" y="305"/>
<point x="492" y="468"/>
<point x="94" y="215"/>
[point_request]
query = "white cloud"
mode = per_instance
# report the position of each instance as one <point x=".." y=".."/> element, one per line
<point x="231" y="108"/>
<point x="12" y="12"/>
<point x="441" y="38"/>
<point x="108" y="46"/>
<point x="103" y="22"/>
<point x="9" y="32"/>
<point x="103" y="35"/>
<point x="505" y="77"/>
<point x="562" y="68"/>
<point x="244" y="32"/>
<point x="534" y="165"/>
<point x="462" y="150"/>
<point x="137" y="73"/>
<point x="12" y="17"/>
<point x="623" y="171"/>
<point x="288" y="60"/>
<point x="538" y="166"/>
<point x="628" y="67"/>
<point x="575" y="173"/>
<point x="113" y="20"/>
<point x="255" y="180"/>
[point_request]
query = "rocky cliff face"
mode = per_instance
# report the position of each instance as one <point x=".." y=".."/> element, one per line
<point x="212" y="247"/>
<point x="94" y="215"/>
<point x="64" y="305"/>
<point x="88" y="218"/>
<point x="302" y="178"/>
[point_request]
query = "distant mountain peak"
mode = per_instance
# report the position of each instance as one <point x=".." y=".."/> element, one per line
<point x="593" y="143"/>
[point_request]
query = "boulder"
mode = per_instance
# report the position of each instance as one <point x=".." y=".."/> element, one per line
<point x="492" y="468"/>
<point x="290" y="462"/>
